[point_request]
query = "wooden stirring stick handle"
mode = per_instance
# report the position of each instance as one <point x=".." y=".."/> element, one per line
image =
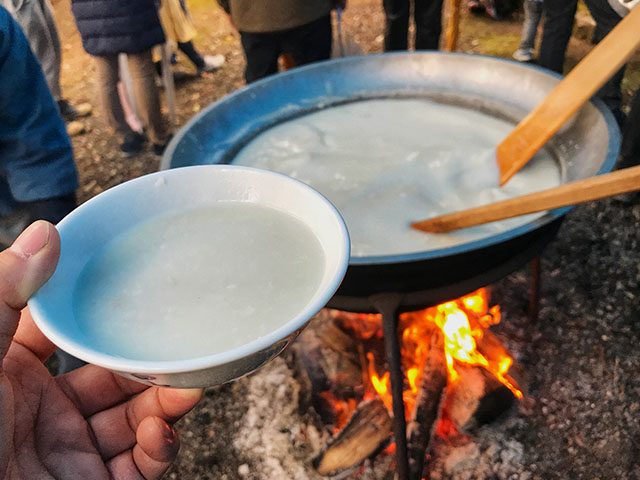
<point x="533" y="132"/>
<point x="594" y="188"/>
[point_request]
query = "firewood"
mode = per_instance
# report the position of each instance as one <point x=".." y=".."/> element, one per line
<point x="365" y="434"/>
<point x="475" y="398"/>
<point x="329" y="356"/>
<point x="432" y="384"/>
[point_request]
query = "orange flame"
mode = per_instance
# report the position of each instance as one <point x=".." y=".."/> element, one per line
<point x="463" y="323"/>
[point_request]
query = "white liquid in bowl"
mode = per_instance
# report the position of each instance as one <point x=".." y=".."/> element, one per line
<point x="387" y="163"/>
<point x="198" y="283"/>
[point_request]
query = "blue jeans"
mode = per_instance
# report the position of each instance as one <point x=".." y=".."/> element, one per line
<point x="532" y="16"/>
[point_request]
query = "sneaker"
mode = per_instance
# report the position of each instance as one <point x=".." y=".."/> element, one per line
<point x="132" y="144"/>
<point x="212" y="63"/>
<point x="67" y="111"/>
<point x="523" y="55"/>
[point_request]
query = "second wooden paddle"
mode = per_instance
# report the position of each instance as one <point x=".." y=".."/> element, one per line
<point x="533" y="132"/>
<point x="594" y="188"/>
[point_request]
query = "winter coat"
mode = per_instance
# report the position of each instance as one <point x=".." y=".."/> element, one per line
<point x="36" y="160"/>
<point x="109" y="27"/>
<point x="261" y="16"/>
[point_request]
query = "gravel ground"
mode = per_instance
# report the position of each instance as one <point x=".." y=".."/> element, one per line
<point x="581" y="419"/>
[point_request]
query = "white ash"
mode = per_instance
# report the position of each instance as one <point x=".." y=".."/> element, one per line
<point x="275" y="438"/>
<point x="489" y="454"/>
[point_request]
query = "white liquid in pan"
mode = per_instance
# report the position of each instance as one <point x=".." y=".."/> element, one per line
<point x="387" y="163"/>
<point x="199" y="283"/>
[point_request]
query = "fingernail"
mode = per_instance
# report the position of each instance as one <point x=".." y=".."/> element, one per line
<point x="168" y="433"/>
<point x="32" y="240"/>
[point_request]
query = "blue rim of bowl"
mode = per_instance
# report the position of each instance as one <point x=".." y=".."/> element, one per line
<point x="613" y="148"/>
<point x="111" y="362"/>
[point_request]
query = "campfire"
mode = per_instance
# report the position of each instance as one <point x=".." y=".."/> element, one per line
<point x="456" y="375"/>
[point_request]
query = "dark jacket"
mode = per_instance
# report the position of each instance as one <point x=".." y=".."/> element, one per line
<point x="108" y="27"/>
<point x="261" y="16"/>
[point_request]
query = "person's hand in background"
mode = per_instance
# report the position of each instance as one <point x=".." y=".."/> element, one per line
<point x="88" y="424"/>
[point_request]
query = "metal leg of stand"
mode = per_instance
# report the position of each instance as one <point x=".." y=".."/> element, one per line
<point x="387" y="305"/>
<point x="534" y="290"/>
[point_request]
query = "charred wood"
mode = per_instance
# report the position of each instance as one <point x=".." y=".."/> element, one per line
<point x="365" y="434"/>
<point x="474" y="399"/>
<point x="329" y="366"/>
<point x="432" y="384"/>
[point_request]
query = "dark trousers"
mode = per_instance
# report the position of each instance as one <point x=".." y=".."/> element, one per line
<point x="192" y="54"/>
<point x="631" y="139"/>
<point x="427" y="15"/>
<point x="306" y="44"/>
<point x="558" y="24"/>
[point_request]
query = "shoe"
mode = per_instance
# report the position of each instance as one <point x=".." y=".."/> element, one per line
<point x="523" y="55"/>
<point x="212" y="63"/>
<point x="159" y="148"/>
<point x="67" y="111"/>
<point x="132" y="144"/>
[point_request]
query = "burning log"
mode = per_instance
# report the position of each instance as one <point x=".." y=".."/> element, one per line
<point x="329" y="365"/>
<point x="365" y="434"/>
<point x="432" y="384"/>
<point x="475" y="398"/>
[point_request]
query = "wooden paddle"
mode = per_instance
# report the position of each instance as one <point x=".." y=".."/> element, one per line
<point x="453" y="26"/>
<point x="594" y="188"/>
<point x="533" y="132"/>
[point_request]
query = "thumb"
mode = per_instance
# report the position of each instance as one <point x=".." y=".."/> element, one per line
<point x="24" y="268"/>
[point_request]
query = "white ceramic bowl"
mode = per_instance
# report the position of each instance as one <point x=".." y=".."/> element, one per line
<point x="95" y="223"/>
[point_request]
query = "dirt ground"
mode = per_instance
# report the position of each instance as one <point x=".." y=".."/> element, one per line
<point x="582" y="420"/>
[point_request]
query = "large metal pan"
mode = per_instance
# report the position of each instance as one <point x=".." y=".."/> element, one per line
<point x="588" y="145"/>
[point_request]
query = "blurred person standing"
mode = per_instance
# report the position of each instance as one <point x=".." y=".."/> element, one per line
<point x="301" y="29"/>
<point x="179" y="28"/>
<point x="111" y="27"/>
<point x="427" y="16"/>
<point x="37" y="22"/>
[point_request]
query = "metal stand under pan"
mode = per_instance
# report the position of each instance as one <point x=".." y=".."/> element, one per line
<point x="391" y="304"/>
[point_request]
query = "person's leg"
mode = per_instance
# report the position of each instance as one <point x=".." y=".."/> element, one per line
<point x="147" y="95"/>
<point x="532" y="16"/>
<point x="308" y="43"/>
<point x="606" y="20"/>
<point x="630" y="153"/>
<point x="428" y="18"/>
<point x="55" y="59"/>
<point x="396" y="28"/>
<point x="37" y="23"/>
<point x="261" y="51"/>
<point x="558" y="24"/>
<point x="192" y="54"/>
<point x="107" y="85"/>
